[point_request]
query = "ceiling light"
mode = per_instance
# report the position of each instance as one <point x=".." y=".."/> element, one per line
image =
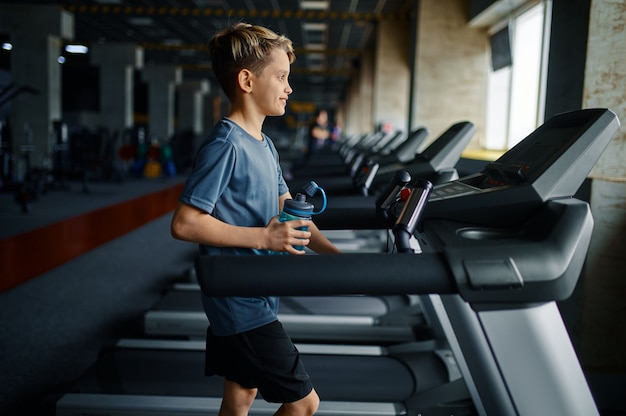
<point x="315" y="35"/>
<point x="141" y="21"/>
<point x="7" y="46"/>
<point x="314" y="4"/>
<point x="315" y="27"/>
<point x="315" y="46"/>
<point x="76" y="49"/>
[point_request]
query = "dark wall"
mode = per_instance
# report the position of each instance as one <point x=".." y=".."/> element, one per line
<point x="81" y="89"/>
<point x="477" y="6"/>
<point x="568" y="53"/>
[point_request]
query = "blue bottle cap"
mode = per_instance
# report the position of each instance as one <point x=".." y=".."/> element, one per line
<point x="298" y="206"/>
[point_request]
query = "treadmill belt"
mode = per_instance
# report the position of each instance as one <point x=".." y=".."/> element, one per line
<point x="189" y="301"/>
<point x="181" y="373"/>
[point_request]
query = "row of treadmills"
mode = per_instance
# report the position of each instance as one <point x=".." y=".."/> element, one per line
<point x="442" y="303"/>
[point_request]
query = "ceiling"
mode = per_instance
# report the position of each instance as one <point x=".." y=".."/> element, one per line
<point x="328" y="35"/>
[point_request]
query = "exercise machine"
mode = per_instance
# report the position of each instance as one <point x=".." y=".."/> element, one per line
<point x="499" y="248"/>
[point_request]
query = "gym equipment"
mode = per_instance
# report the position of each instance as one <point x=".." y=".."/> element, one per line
<point x="353" y="319"/>
<point x="179" y="312"/>
<point x="166" y="377"/>
<point x="370" y="173"/>
<point x="439" y="157"/>
<point x="499" y="248"/>
<point x="491" y="273"/>
<point x="435" y="164"/>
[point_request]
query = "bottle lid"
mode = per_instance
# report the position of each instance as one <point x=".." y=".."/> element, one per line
<point x="298" y="206"/>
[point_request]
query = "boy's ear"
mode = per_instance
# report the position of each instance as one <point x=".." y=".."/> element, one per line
<point x="244" y="79"/>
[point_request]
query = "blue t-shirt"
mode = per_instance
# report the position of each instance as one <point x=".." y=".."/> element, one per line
<point x="237" y="179"/>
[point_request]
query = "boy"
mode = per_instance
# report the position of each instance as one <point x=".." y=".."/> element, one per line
<point x="230" y="205"/>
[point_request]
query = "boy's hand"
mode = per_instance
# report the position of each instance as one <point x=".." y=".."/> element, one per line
<point x="282" y="236"/>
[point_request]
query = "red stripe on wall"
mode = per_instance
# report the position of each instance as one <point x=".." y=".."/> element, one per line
<point x="30" y="254"/>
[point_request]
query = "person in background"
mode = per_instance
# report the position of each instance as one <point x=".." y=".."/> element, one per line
<point x="230" y="206"/>
<point x="319" y="131"/>
<point x="336" y="133"/>
<point x="318" y="135"/>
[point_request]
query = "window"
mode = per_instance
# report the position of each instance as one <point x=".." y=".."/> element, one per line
<point x="515" y="94"/>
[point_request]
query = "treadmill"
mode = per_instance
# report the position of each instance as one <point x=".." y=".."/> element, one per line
<point x="440" y="156"/>
<point x="150" y="376"/>
<point x="348" y="319"/>
<point x="330" y="163"/>
<point x="369" y="174"/>
<point x="498" y="249"/>
<point x="413" y="140"/>
<point x="436" y="164"/>
<point x="357" y="319"/>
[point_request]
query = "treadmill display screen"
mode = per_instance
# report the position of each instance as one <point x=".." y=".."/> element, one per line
<point x="530" y="158"/>
<point x="467" y="186"/>
<point x="523" y="163"/>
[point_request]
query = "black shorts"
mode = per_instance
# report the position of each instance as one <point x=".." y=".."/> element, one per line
<point x="264" y="358"/>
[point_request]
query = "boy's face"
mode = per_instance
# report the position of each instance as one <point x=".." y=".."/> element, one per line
<point x="271" y="88"/>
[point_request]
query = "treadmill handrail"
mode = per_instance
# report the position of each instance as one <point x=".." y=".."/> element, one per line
<point x="539" y="261"/>
<point x="353" y="273"/>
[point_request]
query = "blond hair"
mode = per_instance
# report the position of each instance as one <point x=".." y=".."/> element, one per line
<point x="244" y="46"/>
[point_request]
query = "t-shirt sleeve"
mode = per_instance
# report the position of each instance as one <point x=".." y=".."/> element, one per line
<point x="212" y="169"/>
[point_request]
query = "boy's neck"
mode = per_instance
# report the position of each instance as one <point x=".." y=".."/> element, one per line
<point x="251" y="124"/>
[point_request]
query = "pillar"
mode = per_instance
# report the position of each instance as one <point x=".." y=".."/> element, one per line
<point x="117" y="61"/>
<point x="191" y="95"/>
<point x="36" y="34"/>
<point x="162" y="81"/>
<point x="451" y="67"/>
<point x="603" y="338"/>
<point x="392" y="74"/>
<point x="359" y="98"/>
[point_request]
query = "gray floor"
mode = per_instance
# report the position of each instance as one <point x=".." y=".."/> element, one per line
<point x="54" y="325"/>
<point x="59" y="204"/>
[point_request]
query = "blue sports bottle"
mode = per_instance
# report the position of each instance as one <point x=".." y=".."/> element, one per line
<point x="299" y="209"/>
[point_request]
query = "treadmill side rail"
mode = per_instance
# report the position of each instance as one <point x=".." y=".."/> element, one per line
<point x="136" y="405"/>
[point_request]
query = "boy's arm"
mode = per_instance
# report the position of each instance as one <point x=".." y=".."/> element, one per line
<point x="319" y="243"/>
<point x="192" y="224"/>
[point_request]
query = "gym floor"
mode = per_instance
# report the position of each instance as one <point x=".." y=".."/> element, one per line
<point x="54" y="323"/>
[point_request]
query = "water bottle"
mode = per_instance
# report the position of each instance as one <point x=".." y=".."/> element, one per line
<point x="297" y="209"/>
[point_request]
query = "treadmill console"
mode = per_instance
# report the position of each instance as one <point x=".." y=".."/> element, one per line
<point x="550" y="163"/>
